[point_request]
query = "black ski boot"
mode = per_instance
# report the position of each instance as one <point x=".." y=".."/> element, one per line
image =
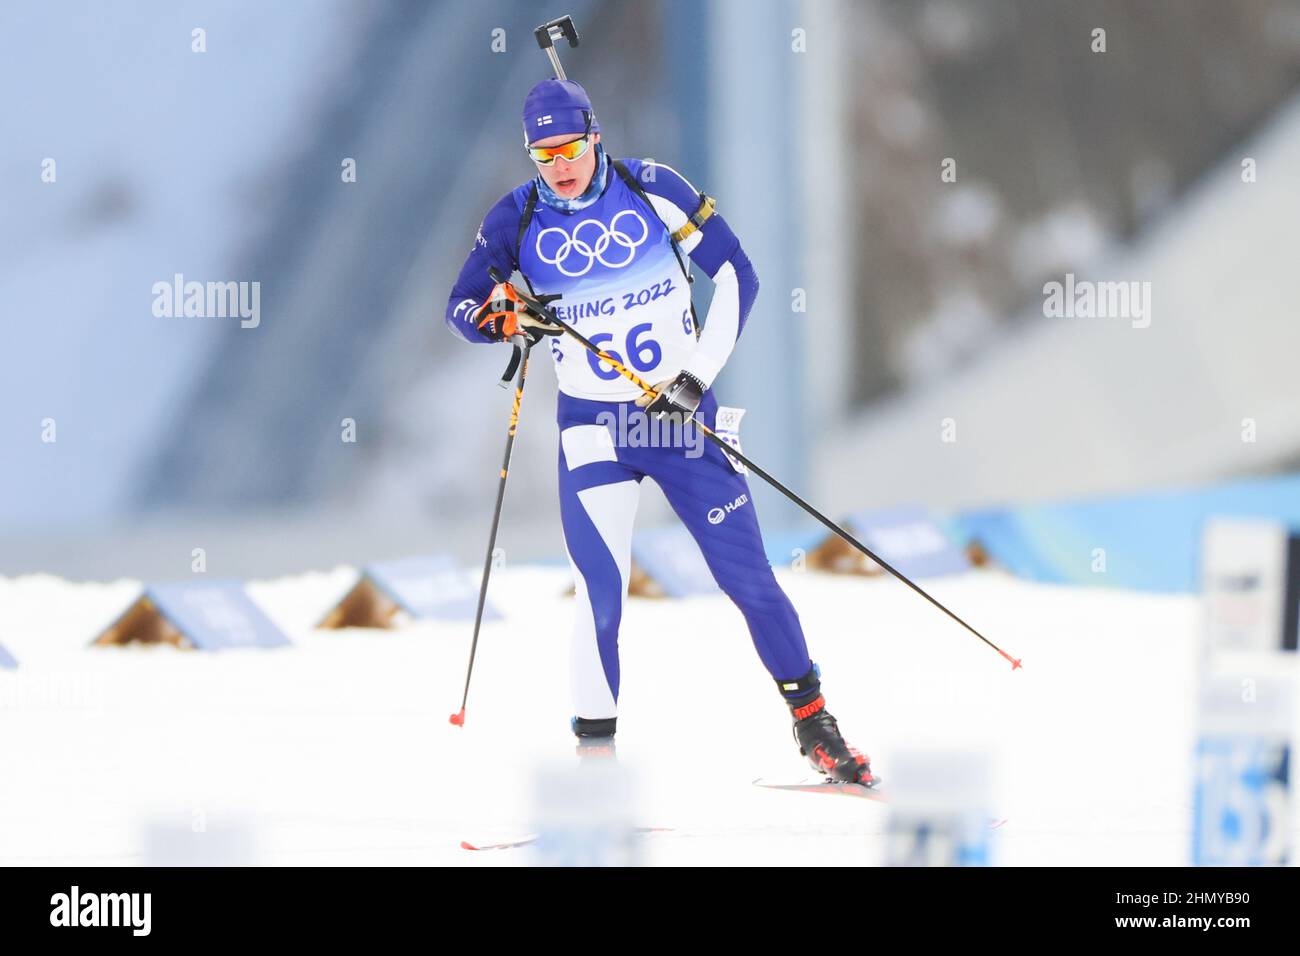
<point x="818" y="735"/>
<point x="595" y="738"/>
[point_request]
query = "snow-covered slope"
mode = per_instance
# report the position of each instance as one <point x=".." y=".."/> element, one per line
<point x="338" y="750"/>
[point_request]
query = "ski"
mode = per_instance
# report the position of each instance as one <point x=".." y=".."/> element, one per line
<point x="826" y="785"/>
<point x="531" y="838"/>
<point x="508" y="845"/>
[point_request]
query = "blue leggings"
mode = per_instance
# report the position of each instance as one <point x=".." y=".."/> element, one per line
<point x="600" y="480"/>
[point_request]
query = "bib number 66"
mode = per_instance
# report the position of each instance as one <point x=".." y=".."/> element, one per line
<point x="643" y="354"/>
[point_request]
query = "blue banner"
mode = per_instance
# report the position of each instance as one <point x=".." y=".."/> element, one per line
<point x="429" y="587"/>
<point x="215" y="615"/>
<point x="910" y="539"/>
<point x="672" y="558"/>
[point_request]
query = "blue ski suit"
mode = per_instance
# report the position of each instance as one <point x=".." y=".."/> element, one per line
<point x="623" y="288"/>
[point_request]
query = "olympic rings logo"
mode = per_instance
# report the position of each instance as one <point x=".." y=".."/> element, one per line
<point x="594" y="249"/>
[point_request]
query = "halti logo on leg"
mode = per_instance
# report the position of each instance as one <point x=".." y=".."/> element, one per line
<point x="716" y="515"/>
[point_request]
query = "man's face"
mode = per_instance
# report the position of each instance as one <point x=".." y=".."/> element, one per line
<point x="568" y="179"/>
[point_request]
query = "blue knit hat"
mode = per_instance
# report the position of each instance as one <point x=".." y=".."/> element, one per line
<point x="553" y="107"/>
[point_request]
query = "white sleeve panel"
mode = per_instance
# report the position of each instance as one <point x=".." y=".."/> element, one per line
<point x="721" y="327"/>
<point x="674" y="218"/>
<point x="673" y="215"/>
<point x="691" y="241"/>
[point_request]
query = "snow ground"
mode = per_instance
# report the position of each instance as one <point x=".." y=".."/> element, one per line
<point x="338" y="750"/>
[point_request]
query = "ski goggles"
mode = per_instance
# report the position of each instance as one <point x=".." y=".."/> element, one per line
<point x="573" y="149"/>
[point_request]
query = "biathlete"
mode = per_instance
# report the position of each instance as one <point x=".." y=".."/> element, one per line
<point x="609" y="237"/>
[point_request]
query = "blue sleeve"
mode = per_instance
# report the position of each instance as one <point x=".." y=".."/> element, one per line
<point x="746" y="276"/>
<point x="717" y="244"/>
<point x="494" y="245"/>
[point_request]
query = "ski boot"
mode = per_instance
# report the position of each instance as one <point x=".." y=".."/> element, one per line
<point x="595" y="738"/>
<point x="818" y="735"/>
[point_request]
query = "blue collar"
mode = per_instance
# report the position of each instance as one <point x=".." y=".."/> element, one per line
<point x="556" y="201"/>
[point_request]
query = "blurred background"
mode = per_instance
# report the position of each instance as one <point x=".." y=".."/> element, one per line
<point x="906" y="176"/>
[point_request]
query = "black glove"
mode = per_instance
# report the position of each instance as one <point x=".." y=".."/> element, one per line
<point x="681" y="395"/>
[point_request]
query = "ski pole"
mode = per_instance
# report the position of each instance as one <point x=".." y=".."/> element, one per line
<point x="459" y="718"/>
<point x="749" y="463"/>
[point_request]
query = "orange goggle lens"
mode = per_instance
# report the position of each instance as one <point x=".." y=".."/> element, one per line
<point x="570" y="151"/>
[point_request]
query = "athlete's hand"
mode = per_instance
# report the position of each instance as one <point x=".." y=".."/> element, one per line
<point x="507" y="312"/>
<point x="681" y="395"/>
